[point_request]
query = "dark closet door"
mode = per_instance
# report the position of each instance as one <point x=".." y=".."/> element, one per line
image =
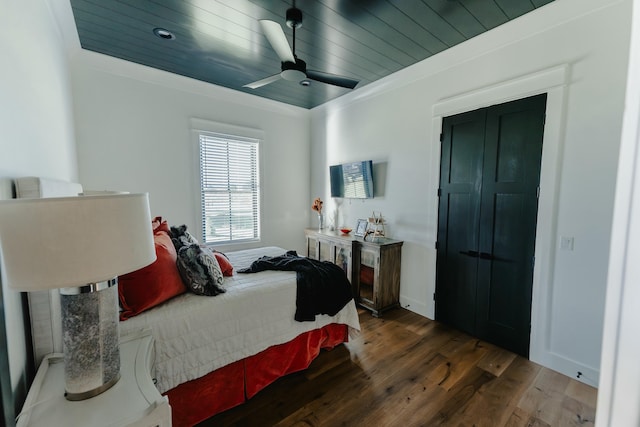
<point x="490" y="172"/>
<point x="459" y="218"/>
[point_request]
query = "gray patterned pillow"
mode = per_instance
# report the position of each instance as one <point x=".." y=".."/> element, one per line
<point x="181" y="237"/>
<point x="200" y="270"/>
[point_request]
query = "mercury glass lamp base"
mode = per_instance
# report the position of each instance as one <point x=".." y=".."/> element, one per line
<point x="91" y="339"/>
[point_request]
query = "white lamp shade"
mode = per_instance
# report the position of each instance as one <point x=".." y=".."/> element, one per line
<point x="73" y="241"/>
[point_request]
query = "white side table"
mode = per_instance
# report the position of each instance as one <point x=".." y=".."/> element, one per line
<point x="132" y="401"/>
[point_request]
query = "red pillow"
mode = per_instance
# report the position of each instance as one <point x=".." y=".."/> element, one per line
<point x="157" y="224"/>
<point x="153" y="284"/>
<point x="225" y="265"/>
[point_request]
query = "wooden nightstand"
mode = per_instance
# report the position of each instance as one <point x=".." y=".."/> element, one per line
<point x="133" y="401"/>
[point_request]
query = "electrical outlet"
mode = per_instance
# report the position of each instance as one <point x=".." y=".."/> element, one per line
<point x="566" y="243"/>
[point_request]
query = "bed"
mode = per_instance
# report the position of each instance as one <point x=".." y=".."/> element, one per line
<point x="246" y="337"/>
<point x="215" y="352"/>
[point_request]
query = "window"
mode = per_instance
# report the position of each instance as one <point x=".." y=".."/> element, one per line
<point x="230" y="188"/>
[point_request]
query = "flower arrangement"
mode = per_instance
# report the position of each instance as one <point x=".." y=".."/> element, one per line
<point x="317" y="205"/>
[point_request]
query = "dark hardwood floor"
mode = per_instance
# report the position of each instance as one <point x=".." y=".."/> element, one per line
<point x="406" y="370"/>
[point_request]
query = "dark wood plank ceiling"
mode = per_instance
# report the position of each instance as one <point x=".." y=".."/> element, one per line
<point x="221" y="41"/>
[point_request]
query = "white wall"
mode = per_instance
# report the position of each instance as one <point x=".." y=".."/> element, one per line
<point x="576" y="50"/>
<point x="133" y="133"/>
<point x="36" y="124"/>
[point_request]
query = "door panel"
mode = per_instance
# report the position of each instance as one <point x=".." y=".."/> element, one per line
<point x="504" y="269"/>
<point x="485" y="288"/>
<point x="460" y="206"/>
<point x="512" y="155"/>
<point x="324" y="251"/>
<point x="465" y="166"/>
<point x="511" y="149"/>
<point x="461" y="268"/>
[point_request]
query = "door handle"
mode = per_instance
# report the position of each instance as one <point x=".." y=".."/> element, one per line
<point x="472" y="254"/>
<point x="476" y="254"/>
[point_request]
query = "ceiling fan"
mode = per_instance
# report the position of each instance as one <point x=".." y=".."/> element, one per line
<point x="293" y="68"/>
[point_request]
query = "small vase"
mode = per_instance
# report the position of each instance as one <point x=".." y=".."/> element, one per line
<point x="320" y="221"/>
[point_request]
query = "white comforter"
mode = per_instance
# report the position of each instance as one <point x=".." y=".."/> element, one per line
<point x="195" y="335"/>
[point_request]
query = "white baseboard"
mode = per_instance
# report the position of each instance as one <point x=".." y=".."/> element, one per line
<point x="417" y="307"/>
<point x="570" y="368"/>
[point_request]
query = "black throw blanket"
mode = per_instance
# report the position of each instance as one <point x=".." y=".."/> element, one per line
<point x="322" y="287"/>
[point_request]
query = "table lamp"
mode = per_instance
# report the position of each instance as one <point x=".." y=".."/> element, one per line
<point x="79" y="245"/>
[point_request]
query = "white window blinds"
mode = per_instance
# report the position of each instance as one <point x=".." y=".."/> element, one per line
<point x="230" y="188"/>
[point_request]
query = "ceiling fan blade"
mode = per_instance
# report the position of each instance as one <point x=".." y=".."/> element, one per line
<point x="332" y="79"/>
<point x="273" y="31"/>
<point x="263" y="82"/>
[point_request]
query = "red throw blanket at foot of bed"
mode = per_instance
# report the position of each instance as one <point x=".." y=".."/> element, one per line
<point x="229" y="386"/>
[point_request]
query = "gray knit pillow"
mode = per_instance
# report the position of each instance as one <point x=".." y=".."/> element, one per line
<point x="199" y="270"/>
<point x="181" y="237"/>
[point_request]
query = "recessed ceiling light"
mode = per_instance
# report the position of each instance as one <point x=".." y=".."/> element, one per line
<point x="163" y="34"/>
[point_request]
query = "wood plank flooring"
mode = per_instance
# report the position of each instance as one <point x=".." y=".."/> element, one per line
<point x="406" y="370"/>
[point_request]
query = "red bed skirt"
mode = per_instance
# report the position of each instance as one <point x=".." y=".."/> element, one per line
<point x="229" y="386"/>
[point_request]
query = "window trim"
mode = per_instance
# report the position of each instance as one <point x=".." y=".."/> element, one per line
<point x="200" y="126"/>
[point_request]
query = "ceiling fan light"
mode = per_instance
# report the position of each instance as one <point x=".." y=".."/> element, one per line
<point x="293" y="75"/>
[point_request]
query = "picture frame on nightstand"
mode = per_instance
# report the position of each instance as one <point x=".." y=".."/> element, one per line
<point x="361" y="228"/>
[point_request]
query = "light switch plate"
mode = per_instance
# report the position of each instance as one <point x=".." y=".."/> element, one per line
<point x="566" y="243"/>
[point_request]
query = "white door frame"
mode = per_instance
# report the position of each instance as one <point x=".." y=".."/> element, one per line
<point x="619" y="392"/>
